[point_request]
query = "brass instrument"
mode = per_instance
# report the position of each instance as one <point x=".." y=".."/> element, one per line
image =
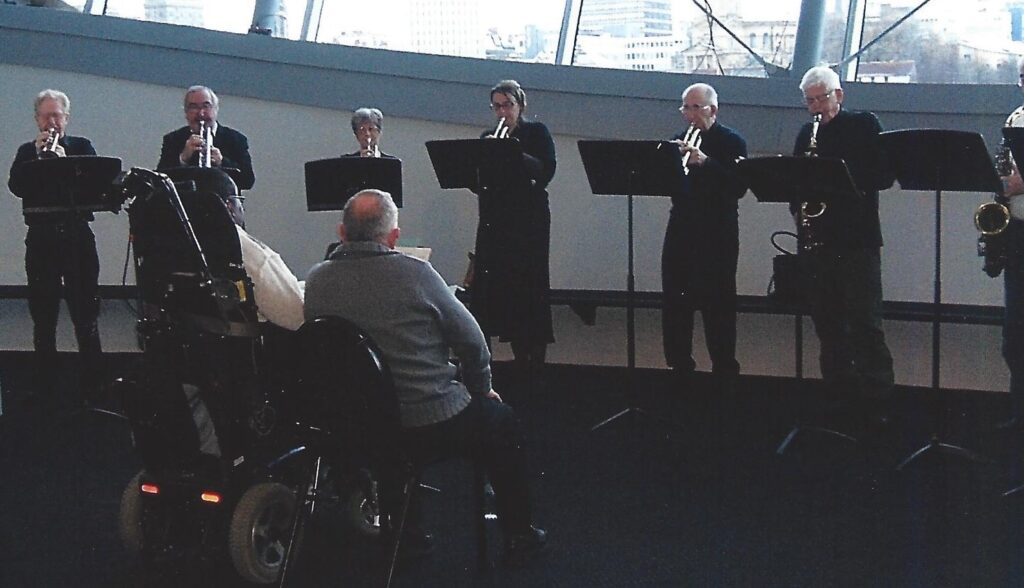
<point x="205" y="156"/>
<point x="691" y="139"/>
<point x="501" y="131"/>
<point x="992" y="218"/>
<point x="372" y="149"/>
<point x="811" y="210"/>
<point x="49" y="148"/>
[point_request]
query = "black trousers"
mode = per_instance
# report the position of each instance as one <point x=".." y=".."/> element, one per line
<point x="845" y="297"/>
<point x="697" y="274"/>
<point x="488" y="431"/>
<point x="1013" y="319"/>
<point x="61" y="261"/>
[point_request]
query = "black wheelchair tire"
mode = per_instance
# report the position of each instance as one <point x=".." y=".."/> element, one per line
<point x="260" y="531"/>
<point x="129" y="524"/>
<point x="361" y="512"/>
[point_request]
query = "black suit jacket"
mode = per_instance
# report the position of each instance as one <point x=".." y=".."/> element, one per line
<point x="19" y="187"/>
<point x="234" y="147"/>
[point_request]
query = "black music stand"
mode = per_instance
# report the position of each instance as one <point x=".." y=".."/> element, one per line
<point x="954" y="161"/>
<point x="478" y="164"/>
<point x="331" y="182"/>
<point x="818" y="179"/>
<point x="71" y="186"/>
<point x="632" y="168"/>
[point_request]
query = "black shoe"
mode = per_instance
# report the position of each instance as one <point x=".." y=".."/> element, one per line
<point x="522" y="547"/>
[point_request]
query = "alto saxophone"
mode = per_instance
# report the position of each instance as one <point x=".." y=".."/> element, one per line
<point x="809" y="211"/>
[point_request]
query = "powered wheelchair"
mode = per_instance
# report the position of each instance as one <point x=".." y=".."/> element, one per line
<point x="211" y="417"/>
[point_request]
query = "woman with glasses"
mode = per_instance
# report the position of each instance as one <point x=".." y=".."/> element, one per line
<point x="510" y="281"/>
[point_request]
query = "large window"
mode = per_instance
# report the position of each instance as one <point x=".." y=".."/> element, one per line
<point x="524" y="30"/>
<point x="940" y="43"/>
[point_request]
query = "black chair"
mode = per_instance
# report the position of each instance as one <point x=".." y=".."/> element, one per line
<point x="348" y="413"/>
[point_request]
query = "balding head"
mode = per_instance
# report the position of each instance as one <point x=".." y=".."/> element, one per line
<point x="370" y="215"/>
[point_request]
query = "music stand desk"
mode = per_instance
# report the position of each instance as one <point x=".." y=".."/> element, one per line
<point x="331" y="182"/>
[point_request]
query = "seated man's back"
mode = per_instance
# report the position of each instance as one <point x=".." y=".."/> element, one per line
<point x="408" y="310"/>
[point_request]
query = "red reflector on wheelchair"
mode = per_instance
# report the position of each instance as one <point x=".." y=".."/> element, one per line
<point x="149" y="489"/>
<point x="210" y="497"/>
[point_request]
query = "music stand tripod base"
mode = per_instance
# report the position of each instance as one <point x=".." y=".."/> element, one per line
<point x="944" y="449"/>
<point x="801" y="428"/>
<point x="632" y="168"/>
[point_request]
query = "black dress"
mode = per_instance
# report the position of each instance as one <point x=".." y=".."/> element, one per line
<point x="511" y="281"/>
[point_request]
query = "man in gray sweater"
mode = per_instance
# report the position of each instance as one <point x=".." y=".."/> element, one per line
<point x="408" y="310"/>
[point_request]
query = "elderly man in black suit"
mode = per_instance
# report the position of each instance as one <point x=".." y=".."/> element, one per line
<point x="230" y="148"/>
<point x="60" y="252"/>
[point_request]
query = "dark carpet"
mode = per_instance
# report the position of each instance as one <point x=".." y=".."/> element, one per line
<point x="688" y="492"/>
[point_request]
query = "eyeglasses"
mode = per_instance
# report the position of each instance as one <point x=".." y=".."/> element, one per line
<point x="368" y="129"/>
<point x="692" y="107"/>
<point x="194" y="107"/>
<point x="499" y="105"/>
<point x="821" y="99"/>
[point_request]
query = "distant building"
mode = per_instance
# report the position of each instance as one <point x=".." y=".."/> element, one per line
<point x="445" y="27"/>
<point x="626" y="18"/>
<point x="773" y="40"/>
<point x="888" y="72"/>
<point x="182" y="12"/>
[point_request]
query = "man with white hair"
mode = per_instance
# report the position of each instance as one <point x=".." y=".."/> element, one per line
<point x="698" y="260"/>
<point x="60" y="253"/>
<point x="843" y="265"/>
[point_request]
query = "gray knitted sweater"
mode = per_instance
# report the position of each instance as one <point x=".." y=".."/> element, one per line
<point x="408" y="310"/>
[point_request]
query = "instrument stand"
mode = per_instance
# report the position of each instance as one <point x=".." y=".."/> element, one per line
<point x="777" y="179"/>
<point x="954" y="161"/>
<point x="633" y="168"/>
<point x="331" y="182"/>
<point x="72" y="186"/>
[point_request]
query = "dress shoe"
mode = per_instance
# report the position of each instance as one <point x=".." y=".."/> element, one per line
<point x="522" y="547"/>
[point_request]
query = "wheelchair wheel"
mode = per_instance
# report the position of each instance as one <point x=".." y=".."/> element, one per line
<point x="260" y="530"/>
<point x="129" y="525"/>
<point x="362" y="512"/>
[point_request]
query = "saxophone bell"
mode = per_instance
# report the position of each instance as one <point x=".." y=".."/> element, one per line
<point x="992" y="218"/>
